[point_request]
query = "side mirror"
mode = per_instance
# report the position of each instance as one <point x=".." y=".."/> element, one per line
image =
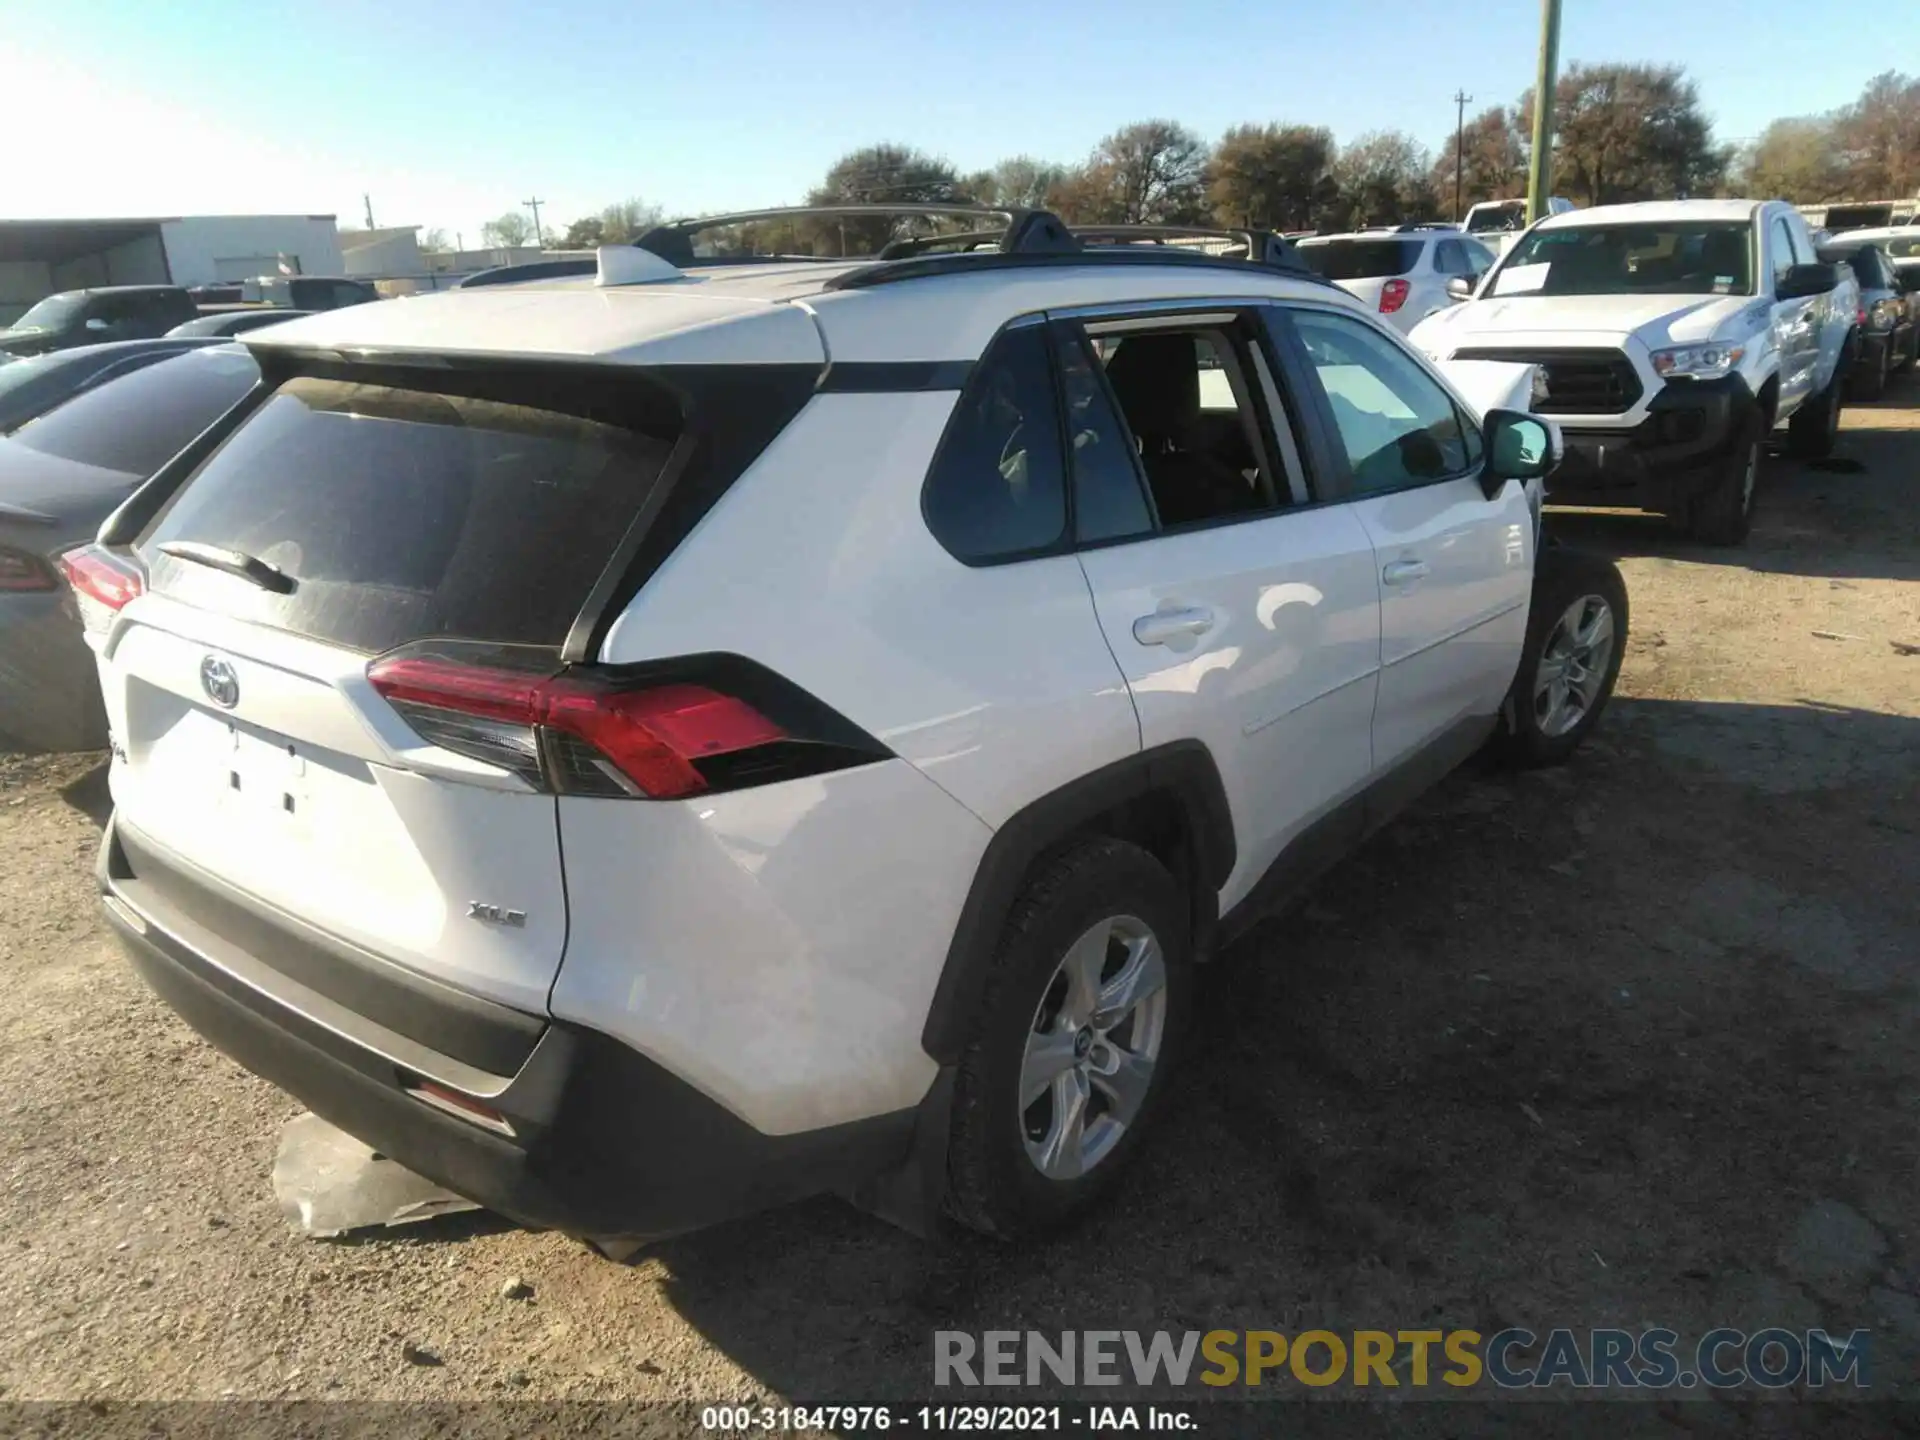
<point x="1804" y="280"/>
<point x="98" y="326"/>
<point x="1518" y="447"/>
<point x="1460" y="287"/>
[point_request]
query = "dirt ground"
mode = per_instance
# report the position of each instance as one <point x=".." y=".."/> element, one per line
<point x="1628" y="1043"/>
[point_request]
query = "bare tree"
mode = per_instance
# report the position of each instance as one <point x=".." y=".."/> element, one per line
<point x="1151" y="172"/>
<point x="507" y="231"/>
<point x="626" y="221"/>
<point x="434" y="239"/>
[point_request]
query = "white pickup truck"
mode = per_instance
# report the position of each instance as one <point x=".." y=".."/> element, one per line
<point x="1672" y="338"/>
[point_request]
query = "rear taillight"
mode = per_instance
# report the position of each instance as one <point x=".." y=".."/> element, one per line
<point x="20" y="571"/>
<point x="1860" y="316"/>
<point x="655" y="735"/>
<point x="102" y="583"/>
<point x="1393" y="295"/>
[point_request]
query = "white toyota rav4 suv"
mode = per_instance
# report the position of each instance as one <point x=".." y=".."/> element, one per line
<point x="642" y="747"/>
<point x="1672" y="337"/>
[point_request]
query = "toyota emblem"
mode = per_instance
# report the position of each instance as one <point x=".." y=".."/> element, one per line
<point x="219" y="681"/>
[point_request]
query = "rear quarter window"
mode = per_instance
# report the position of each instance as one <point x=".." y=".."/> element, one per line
<point x="402" y="514"/>
<point x="997" y="489"/>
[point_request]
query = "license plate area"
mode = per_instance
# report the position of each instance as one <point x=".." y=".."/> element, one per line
<point x="258" y="778"/>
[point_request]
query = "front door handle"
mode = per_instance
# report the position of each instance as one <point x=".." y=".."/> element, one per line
<point x="1405" y="572"/>
<point x="1172" y="623"/>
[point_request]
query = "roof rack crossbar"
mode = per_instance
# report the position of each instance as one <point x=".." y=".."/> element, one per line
<point x="1022" y="231"/>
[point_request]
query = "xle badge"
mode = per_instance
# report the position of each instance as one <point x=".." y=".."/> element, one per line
<point x="496" y="914"/>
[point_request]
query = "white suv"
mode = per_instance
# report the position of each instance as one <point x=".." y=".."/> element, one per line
<point x="640" y="748"/>
<point x="1401" y="273"/>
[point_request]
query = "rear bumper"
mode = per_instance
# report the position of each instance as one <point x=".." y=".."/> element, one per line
<point x="606" y="1143"/>
<point x="1665" y="461"/>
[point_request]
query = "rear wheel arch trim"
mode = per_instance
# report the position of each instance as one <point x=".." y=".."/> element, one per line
<point x="1183" y="770"/>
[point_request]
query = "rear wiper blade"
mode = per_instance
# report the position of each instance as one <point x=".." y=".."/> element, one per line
<point x="250" y="568"/>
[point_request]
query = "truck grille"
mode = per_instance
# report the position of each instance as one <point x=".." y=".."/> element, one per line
<point x="1579" y="382"/>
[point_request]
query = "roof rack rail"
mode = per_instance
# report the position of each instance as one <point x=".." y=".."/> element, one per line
<point x="1023" y="232"/>
<point x="1261" y="247"/>
<point x="1102" y="244"/>
<point x="1414" y="225"/>
<point x="531" y="270"/>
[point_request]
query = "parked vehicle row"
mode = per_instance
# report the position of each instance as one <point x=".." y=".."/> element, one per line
<point x="61" y="475"/>
<point x="109" y="313"/>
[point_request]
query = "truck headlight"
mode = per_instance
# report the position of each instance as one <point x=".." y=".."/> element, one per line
<point x="1540" y="390"/>
<point x="1882" y="315"/>
<point x="1698" y="362"/>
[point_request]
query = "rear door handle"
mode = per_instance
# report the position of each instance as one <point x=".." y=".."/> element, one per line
<point x="1405" y="572"/>
<point x="1171" y="623"/>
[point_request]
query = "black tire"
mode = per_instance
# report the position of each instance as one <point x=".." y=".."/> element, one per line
<point x="1723" y="513"/>
<point x="993" y="1185"/>
<point x="1564" y="578"/>
<point x="1815" y="426"/>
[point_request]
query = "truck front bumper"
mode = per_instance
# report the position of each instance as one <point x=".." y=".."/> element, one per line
<point x="1661" y="464"/>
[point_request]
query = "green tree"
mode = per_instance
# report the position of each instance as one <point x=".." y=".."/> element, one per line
<point x="1630" y="132"/>
<point x="875" y="175"/>
<point x="1275" y="177"/>
<point x="1382" y="180"/>
<point x="507" y="231"/>
<point x="1795" y="159"/>
<point x="434" y="239"/>
<point x="587" y="233"/>
<point x="1019" y="181"/>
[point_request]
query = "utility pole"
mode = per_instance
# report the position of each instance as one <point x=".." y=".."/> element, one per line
<point x="1460" y="101"/>
<point x="539" y="238"/>
<point x="367" y="200"/>
<point x="1540" y="171"/>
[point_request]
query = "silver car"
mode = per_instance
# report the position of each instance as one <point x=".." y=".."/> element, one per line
<point x="60" y="476"/>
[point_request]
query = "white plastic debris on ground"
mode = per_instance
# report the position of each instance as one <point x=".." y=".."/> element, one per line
<point x="329" y="1184"/>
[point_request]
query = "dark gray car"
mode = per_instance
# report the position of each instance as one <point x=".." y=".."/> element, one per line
<point x="60" y="476"/>
<point x="31" y="387"/>
<point x="1889" y="318"/>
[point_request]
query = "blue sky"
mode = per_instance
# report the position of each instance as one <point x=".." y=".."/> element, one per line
<point x="448" y="113"/>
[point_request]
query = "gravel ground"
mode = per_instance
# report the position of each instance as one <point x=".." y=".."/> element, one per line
<point x="1628" y="1043"/>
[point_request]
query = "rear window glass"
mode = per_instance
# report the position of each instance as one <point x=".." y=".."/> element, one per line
<point x="136" y="423"/>
<point x="1866" y="264"/>
<point x="401" y="514"/>
<point x="1360" y="259"/>
<point x="1858" y="217"/>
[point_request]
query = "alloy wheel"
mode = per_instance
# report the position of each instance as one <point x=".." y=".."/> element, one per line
<point x="1573" y="665"/>
<point x="1093" y="1047"/>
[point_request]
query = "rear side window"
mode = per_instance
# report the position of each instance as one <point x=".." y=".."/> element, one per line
<point x="997" y="490"/>
<point x="1361" y="259"/>
<point x="401" y="514"/>
<point x="138" y="422"/>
